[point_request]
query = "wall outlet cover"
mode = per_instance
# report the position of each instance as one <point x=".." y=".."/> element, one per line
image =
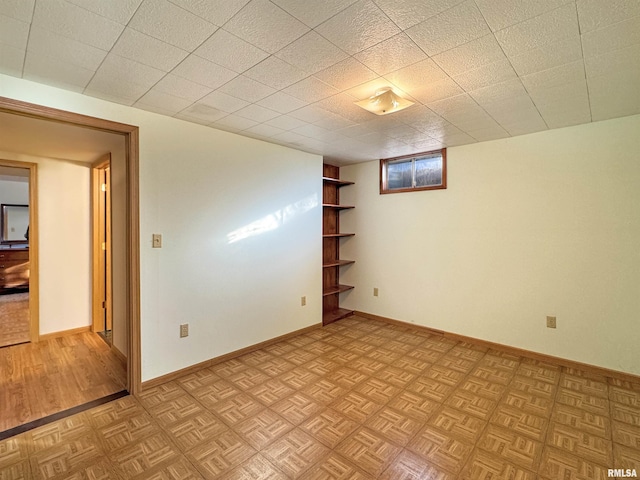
<point x="551" y="322"/>
<point x="184" y="330"/>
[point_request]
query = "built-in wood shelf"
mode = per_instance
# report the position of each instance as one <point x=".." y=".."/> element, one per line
<point x="331" y="316"/>
<point x="337" y="263"/>
<point x="337" y="207"/>
<point x="336" y="181"/>
<point x="333" y="289"/>
<point x="338" y="235"/>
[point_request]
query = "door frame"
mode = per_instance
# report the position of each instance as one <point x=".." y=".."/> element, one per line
<point x="101" y="266"/>
<point x="34" y="290"/>
<point x="131" y="134"/>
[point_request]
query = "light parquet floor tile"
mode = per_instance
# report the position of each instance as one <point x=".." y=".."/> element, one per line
<point x="356" y="400"/>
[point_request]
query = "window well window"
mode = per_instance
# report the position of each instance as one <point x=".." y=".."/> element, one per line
<point x="423" y="171"/>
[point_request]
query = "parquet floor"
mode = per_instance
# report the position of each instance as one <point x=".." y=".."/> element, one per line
<point x="14" y="319"/>
<point x="355" y="400"/>
<point x="40" y="379"/>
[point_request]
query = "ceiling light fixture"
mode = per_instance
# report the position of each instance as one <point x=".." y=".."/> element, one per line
<point x="385" y="101"/>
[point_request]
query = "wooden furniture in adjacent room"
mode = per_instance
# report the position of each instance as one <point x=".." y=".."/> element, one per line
<point x="331" y="238"/>
<point x="14" y="269"/>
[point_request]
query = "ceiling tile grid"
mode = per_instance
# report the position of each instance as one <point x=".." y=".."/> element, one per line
<point x="289" y="72"/>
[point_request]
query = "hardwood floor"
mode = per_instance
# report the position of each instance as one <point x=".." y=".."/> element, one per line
<point x="14" y="318"/>
<point x="39" y="379"/>
<point x="355" y="400"/>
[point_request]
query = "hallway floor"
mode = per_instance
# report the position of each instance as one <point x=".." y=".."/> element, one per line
<point x="40" y="379"/>
<point x="14" y="318"/>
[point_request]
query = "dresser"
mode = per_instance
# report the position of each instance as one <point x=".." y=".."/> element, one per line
<point x="14" y="269"/>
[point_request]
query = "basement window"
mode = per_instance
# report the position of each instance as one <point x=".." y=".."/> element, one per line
<point x="422" y="171"/>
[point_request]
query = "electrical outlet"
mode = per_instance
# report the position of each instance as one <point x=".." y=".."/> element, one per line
<point x="157" y="240"/>
<point x="184" y="330"/>
<point x="375" y="291"/>
<point x="303" y="301"/>
<point x="551" y="322"/>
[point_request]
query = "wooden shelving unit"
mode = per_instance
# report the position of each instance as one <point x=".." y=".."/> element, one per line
<point x="331" y="237"/>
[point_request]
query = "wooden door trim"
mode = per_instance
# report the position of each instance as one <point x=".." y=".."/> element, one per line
<point x="96" y="240"/>
<point x="131" y="134"/>
<point x="34" y="283"/>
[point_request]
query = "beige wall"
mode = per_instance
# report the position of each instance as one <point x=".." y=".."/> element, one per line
<point x="64" y="248"/>
<point x="537" y="225"/>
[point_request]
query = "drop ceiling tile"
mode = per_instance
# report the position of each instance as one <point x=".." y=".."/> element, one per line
<point x="415" y="77"/>
<point x="498" y="92"/>
<point x="512" y="110"/>
<point x="310" y="90"/>
<point x="118" y="69"/>
<point x="282" y="103"/>
<point x="54" y="72"/>
<point x="612" y="37"/>
<point x="393" y="54"/>
<point x="439" y="90"/>
<point x="546" y="29"/>
<point x="416" y="115"/>
<point x="257" y="113"/>
<point x="148" y="50"/>
<point x="47" y="43"/>
<point x="504" y="13"/>
<point x="203" y="72"/>
<point x="223" y="102"/>
<point x="74" y="22"/>
<point x="122" y="91"/>
<point x="286" y="122"/>
<point x="247" y="89"/>
<point x="596" y="14"/>
<point x="230" y="51"/>
<point x="181" y="87"/>
<point x="407" y="13"/>
<point x="170" y="103"/>
<point x="333" y="121"/>
<point x="311" y="53"/>
<point x="625" y="59"/>
<point x="154" y="109"/>
<point x="556" y="94"/>
<point x="343" y="104"/>
<point x="457" y="140"/>
<point x="257" y="22"/>
<point x="119" y="11"/>
<point x="171" y="24"/>
<point x="454" y="27"/>
<point x="358" y="27"/>
<point x="547" y="56"/>
<point x="11" y="60"/>
<point x="13" y="32"/>
<point x="368" y="89"/>
<point x="346" y="74"/>
<point x="202" y="113"/>
<point x="291" y="138"/>
<point x="453" y="104"/>
<point x="234" y="122"/>
<point x="276" y="73"/>
<point x="217" y="12"/>
<point x="614" y="95"/>
<point x="526" y="126"/>
<point x="313" y="13"/>
<point x="19" y="9"/>
<point x="470" y="56"/>
<point x="566" y="117"/>
<point x="486" y="75"/>
<point x="567" y="73"/>
<point x="489" y="133"/>
<point x="312" y="131"/>
<point x="309" y="114"/>
<point x="264" y="130"/>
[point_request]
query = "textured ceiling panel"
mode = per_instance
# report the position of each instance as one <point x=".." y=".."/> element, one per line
<point x="289" y="71"/>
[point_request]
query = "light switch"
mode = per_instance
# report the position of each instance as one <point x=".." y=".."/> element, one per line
<point x="157" y="240"/>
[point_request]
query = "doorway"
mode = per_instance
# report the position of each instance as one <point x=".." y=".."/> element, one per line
<point x="101" y="246"/>
<point x="18" y="253"/>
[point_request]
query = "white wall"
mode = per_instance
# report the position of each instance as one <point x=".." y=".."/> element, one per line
<point x="15" y="191"/>
<point x="199" y="187"/>
<point x="64" y="242"/>
<point x="537" y="225"/>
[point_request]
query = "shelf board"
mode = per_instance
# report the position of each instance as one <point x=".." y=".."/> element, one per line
<point x="336" y="181"/>
<point x="335" y="315"/>
<point x="337" y="207"/>
<point x="338" y="235"/>
<point x="337" y="263"/>
<point x="333" y="289"/>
